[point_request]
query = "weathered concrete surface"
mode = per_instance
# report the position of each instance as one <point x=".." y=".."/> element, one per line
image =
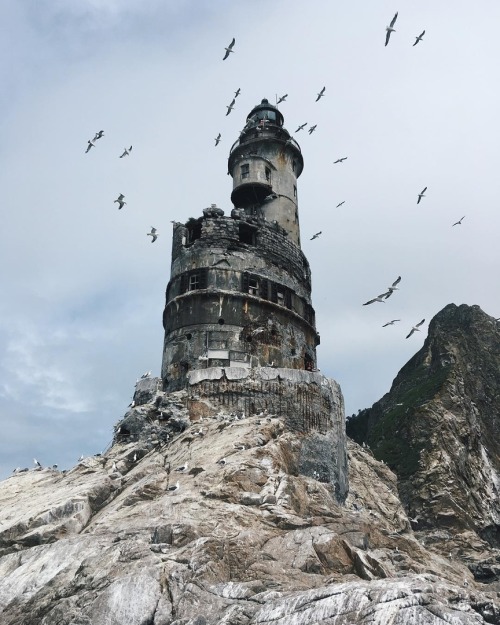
<point x="244" y="540"/>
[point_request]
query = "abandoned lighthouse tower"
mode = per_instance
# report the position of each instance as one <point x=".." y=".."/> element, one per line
<point x="239" y="324"/>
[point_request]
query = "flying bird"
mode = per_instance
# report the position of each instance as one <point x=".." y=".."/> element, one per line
<point x="229" y="49"/>
<point x="312" y="129"/>
<point x="152" y="234"/>
<point x="416" y="328"/>
<point x="98" y="135"/>
<point x="230" y="107"/>
<point x="390" y="323"/>
<point x="340" y="160"/>
<point x="343" y="202"/>
<point x="421" y="195"/>
<point x="237" y="92"/>
<point x="120" y="201"/>
<point x="126" y="152"/>
<point x="217" y="139"/>
<point x="90" y="145"/>
<point x="393" y="287"/>
<point x="390" y="29"/>
<point x="379" y="298"/>
<point x="315" y="236"/>
<point x="321" y="94"/>
<point x="282" y="98"/>
<point x="419" y="38"/>
<point x="301" y="127"/>
<point x="459" y="222"/>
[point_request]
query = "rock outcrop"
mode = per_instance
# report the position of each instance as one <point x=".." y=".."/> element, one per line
<point x="438" y="429"/>
<point x="210" y="519"/>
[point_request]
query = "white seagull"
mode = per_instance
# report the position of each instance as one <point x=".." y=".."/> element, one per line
<point x="120" y="200"/>
<point x="126" y="152"/>
<point x="321" y="94"/>
<point x="230" y="107"/>
<point x="390" y="323"/>
<point x="37" y="463"/>
<point x="419" y="38"/>
<point x="421" y="195"/>
<point x="390" y="29"/>
<point x="152" y="234"/>
<point x="237" y="92"/>
<point x="416" y="328"/>
<point x="222" y="462"/>
<point x="459" y="222"/>
<point x="91" y="144"/>
<point x="340" y="160"/>
<point x="217" y="139"/>
<point x="315" y="236"/>
<point x="229" y="49"/>
<point x="282" y="98"/>
<point x="300" y="127"/>
<point x="98" y="135"/>
<point x="183" y="468"/>
<point x="174" y="488"/>
<point x="379" y="298"/>
<point x="393" y="287"/>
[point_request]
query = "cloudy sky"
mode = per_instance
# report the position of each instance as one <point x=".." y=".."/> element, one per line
<point x="82" y="286"/>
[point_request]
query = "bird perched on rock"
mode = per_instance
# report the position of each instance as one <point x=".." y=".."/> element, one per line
<point x="37" y="464"/>
<point x="321" y="94"/>
<point x="120" y="200"/>
<point x="229" y="49"/>
<point x="126" y="152"/>
<point x="145" y="375"/>
<point x="222" y="462"/>
<point x="389" y="29"/>
<point x="415" y="328"/>
<point x="152" y="234"/>
<point x="217" y="139"/>
<point x="182" y="469"/>
<point x="175" y="487"/>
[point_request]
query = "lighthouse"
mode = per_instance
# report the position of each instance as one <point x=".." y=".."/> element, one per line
<point x="240" y="288"/>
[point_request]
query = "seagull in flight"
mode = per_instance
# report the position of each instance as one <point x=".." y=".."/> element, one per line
<point x="321" y="94"/>
<point x="421" y="195"/>
<point x="343" y="202"/>
<point x="416" y="328"/>
<point x="393" y="287"/>
<point x="91" y="144"/>
<point x="419" y="38"/>
<point x="315" y="236"/>
<point x="126" y="152"/>
<point x="229" y="49"/>
<point x="312" y="129"/>
<point x="301" y="127"/>
<point x="120" y="200"/>
<point x="230" y="107"/>
<point x="379" y="298"/>
<point x="459" y="222"/>
<point x="98" y="135"/>
<point x="152" y="234"/>
<point x="237" y="92"/>
<point x="390" y="323"/>
<point x="217" y="139"/>
<point x="340" y="160"/>
<point x="282" y="98"/>
<point x="390" y="29"/>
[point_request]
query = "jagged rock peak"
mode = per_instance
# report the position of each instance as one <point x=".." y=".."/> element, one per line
<point x="439" y="427"/>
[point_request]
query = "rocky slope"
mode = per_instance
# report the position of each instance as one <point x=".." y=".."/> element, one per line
<point x="244" y="539"/>
<point x="439" y="429"/>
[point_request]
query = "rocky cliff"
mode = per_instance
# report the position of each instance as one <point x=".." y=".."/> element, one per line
<point x="210" y="519"/>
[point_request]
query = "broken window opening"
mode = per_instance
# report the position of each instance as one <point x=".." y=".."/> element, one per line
<point x="245" y="170"/>
<point x="294" y="191"/>
<point x="268" y="174"/>
<point x="193" y="231"/>
<point x="247" y="234"/>
<point x="308" y="363"/>
<point x="253" y="286"/>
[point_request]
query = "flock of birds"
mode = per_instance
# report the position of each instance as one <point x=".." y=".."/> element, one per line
<point x="120" y="200"/>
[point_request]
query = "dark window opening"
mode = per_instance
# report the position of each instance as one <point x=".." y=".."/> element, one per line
<point x="193" y="231"/>
<point x="293" y="351"/>
<point x="294" y="166"/>
<point x="194" y="281"/>
<point x="249" y="338"/>
<point x="246" y="234"/>
<point x="280" y="297"/>
<point x="253" y="286"/>
<point x="221" y="321"/>
<point x="268" y="174"/>
<point x="245" y="170"/>
<point x="189" y="336"/>
<point x="294" y="191"/>
<point x="308" y="363"/>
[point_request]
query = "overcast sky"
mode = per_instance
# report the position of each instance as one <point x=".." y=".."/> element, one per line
<point x="83" y="287"/>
